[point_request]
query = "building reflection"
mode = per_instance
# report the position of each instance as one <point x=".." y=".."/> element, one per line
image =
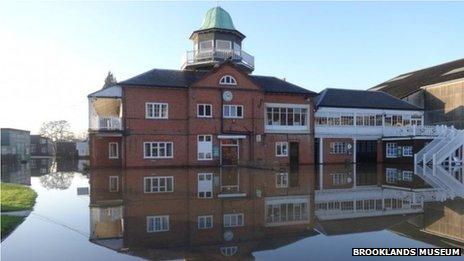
<point x="217" y="212"/>
<point x="199" y="212"/>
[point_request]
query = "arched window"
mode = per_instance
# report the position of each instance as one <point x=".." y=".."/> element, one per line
<point x="228" y="80"/>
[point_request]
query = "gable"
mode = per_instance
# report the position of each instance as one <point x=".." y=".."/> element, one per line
<point x="212" y="78"/>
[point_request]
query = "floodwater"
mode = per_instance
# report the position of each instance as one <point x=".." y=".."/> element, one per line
<point x="317" y="213"/>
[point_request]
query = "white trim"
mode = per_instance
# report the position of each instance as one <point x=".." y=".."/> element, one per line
<point x="281" y="143"/>
<point x="161" y="217"/>
<point x="225" y="136"/>
<point x="223" y="80"/>
<point x="204" y="142"/>
<point x="204" y="110"/>
<point x="236" y="215"/>
<point x="158" y="157"/>
<point x="156" y="117"/>
<point x="205" y="217"/>
<point x="236" y="111"/>
<point x="158" y="178"/>
<point x="386" y="150"/>
<point x="117" y="183"/>
<point x="409" y="155"/>
<point x="109" y="150"/>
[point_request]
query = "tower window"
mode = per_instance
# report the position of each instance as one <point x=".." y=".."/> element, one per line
<point x="206" y="46"/>
<point x="228" y="80"/>
<point x="222" y="45"/>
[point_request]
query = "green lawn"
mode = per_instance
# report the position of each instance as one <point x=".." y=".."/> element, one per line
<point x="16" y="197"/>
<point x="9" y="223"/>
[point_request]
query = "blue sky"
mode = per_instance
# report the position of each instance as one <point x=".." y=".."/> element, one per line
<point x="54" y="54"/>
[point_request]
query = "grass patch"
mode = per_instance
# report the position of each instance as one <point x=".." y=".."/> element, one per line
<point x="9" y="223"/>
<point x="16" y="197"/>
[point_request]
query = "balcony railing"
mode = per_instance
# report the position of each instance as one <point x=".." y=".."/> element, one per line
<point x="413" y="130"/>
<point x="109" y="124"/>
<point x="204" y="56"/>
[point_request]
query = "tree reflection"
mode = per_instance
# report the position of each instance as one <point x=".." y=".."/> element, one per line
<point x="57" y="180"/>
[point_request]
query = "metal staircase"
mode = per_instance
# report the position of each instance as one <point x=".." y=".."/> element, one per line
<point x="441" y="148"/>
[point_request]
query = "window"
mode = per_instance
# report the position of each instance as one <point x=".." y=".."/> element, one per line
<point x="158" y="150"/>
<point x="158" y="184"/>
<point x="282" y="149"/>
<point x="157" y="223"/>
<point x="114" y="183"/>
<point x="281" y="180"/>
<point x="206" y="46"/>
<point x="346" y="120"/>
<point x="113" y="150"/>
<point x="33" y="148"/>
<point x="407" y="175"/>
<point x="228" y="80"/>
<point x="205" y="185"/>
<point x="391" y="175"/>
<point x="416" y="120"/>
<point x="287" y="116"/>
<point x="392" y="150"/>
<point x="222" y="45"/>
<point x="205" y="147"/>
<point x="407" y="151"/>
<point x="237" y="49"/>
<point x="394" y="120"/>
<point x="156" y="110"/>
<point x="205" y="222"/>
<point x="339" y="147"/>
<point x="233" y="111"/>
<point x="229" y="251"/>
<point x="233" y="220"/>
<point x="204" y="111"/>
<point x="286" y="212"/>
<point x="43" y="150"/>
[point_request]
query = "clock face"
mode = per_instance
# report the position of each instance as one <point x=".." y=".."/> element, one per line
<point x="227" y="96"/>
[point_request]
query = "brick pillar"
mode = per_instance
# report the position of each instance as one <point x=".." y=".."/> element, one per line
<point x="379" y="151"/>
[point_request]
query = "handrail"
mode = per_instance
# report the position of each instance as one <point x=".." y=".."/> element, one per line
<point x="197" y="56"/>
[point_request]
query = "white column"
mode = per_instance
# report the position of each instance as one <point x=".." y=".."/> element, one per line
<point x="321" y="150"/>
<point x="354" y="150"/>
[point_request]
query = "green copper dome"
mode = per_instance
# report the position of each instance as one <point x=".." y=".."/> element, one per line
<point x="217" y="18"/>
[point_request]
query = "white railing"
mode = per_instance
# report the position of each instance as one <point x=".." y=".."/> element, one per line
<point x="109" y="124"/>
<point x="198" y="57"/>
<point x="413" y="130"/>
<point x="449" y="148"/>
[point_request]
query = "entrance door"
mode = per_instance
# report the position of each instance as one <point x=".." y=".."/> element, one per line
<point x="294" y="154"/>
<point x="229" y="155"/>
<point x="366" y="151"/>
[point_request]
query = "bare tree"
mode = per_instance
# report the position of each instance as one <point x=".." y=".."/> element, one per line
<point x="110" y="80"/>
<point x="57" y="131"/>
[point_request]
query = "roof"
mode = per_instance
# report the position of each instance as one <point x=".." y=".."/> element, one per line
<point x="344" y="98"/>
<point x="184" y="78"/>
<point x="408" y="83"/>
<point x="217" y="18"/>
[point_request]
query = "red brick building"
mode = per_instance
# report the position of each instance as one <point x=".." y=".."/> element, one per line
<point x="211" y="112"/>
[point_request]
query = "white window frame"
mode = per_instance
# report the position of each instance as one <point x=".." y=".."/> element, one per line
<point x="228" y="80"/>
<point x="151" y="149"/>
<point x="203" y="182"/>
<point x="205" y="147"/>
<point x="228" y="220"/>
<point x="160" y="217"/>
<point x="229" y="250"/>
<point x="229" y="43"/>
<point x="117" y="150"/>
<point x="117" y="183"/>
<point x="204" y="110"/>
<point x="158" y="178"/>
<point x="229" y="116"/>
<point x="407" y="175"/>
<point x="202" y="49"/>
<point x="273" y="122"/>
<point x="152" y="109"/>
<point x="407" y="149"/>
<point x="203" y="219"/>
<point x="391" y="145"/>
<point x="339" y="148"/>
<point x="281" y="180"/>
<point x="282" y="144"/>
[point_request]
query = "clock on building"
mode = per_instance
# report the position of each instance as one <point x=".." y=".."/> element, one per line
<point x="227" y="96"/>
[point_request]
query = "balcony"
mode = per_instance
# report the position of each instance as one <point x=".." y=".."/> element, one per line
<point x="105" y="110"/>
<point x="198" y="58"/>
<point x="412" y="130"/>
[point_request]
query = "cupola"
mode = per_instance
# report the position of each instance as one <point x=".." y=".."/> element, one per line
<point x="216" y="41"/>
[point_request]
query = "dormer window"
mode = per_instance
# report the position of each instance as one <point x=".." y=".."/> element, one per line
<point x="206" y="46"/>
<point x="228" y="80"/>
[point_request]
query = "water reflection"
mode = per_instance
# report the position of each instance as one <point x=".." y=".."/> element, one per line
<point x="218" y="212"/>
